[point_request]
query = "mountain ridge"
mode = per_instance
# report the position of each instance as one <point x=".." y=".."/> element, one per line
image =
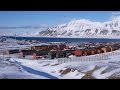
<point x="80" y="28"/>
<point x="85" y="28"/>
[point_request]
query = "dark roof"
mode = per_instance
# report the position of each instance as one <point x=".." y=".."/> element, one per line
<point x="28" y="50"/>
<point x="13" y="51"/>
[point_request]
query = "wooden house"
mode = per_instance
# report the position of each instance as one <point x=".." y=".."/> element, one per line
<point x="56" y="54"/>
<point x="48" y="47"/>
<point x="115" y="47"/>
<point x="53" y="47"/>
<point x="111" y="49"/>
<point x="39" y="54"/>
<point x="93" y="51"/>
<point x="85" y="53"/>
<point x="35" y="54"/>
<point x="61" y="46"/>
<point x="98" y="49"/>
<point x="59" y="53"/>
<point x="23" y="53"/>
<point x="38" y="48"/>
<point x="104" y="50"/>
<point x="15" y="51"/>
<point x="108" y="48"/>
<point x="77" y="53"/>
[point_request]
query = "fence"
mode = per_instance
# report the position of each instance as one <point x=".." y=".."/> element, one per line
<point x="97" y="57"/>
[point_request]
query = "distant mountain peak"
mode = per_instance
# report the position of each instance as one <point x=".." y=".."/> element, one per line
<point x="85" y="28"/>
<point x="78" y="28"/>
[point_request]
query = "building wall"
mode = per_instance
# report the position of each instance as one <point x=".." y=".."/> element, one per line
<point x="34" y="56"/>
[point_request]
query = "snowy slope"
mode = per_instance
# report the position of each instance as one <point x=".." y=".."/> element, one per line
<point x="73" y="28"/>
<point x="85" y="28"/>
<point x="102" y="69"/>
<point x="12" y="71"/>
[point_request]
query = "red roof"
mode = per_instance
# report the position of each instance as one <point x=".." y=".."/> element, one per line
<point x="77" y="52"/>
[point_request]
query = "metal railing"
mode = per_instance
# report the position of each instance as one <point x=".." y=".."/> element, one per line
<point x="96" y="57"/>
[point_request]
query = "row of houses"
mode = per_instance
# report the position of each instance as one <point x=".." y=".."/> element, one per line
<point x="96" y="50"/>
<point x="49" y="47"/>
<point x="46" y="51"/>
<point x="60" y="51"/>
<point x="92" y="51"/>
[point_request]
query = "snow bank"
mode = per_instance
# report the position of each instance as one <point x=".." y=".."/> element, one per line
<point x="51" y="67"/>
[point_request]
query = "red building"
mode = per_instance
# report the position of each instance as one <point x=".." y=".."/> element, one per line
<point x="77" y="52"/>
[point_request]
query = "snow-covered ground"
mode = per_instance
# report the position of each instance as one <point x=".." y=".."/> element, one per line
<point x="50" y="69"/>
<point x="13" y="71"/>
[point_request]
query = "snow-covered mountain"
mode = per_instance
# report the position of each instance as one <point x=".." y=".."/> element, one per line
<point x="82" y="28"/>
<point x="85" y="28"/>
